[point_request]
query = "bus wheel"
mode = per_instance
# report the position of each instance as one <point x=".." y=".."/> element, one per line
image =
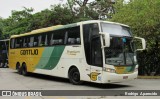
<point x="24" y="69"/>
<point x="74" y="76"/>
<point x="19" y="70"/>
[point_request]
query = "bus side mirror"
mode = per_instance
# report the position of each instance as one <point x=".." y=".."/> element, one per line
<point x="143" y="42"/>
<point x="106" y="39"/>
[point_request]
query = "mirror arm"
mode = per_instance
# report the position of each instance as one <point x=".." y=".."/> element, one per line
<point x="106" y="38"/>
<point x="143" y="43"/>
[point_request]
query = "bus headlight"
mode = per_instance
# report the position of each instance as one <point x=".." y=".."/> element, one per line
<point x="109" y="70"/>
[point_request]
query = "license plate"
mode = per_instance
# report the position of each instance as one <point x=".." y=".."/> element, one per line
<point x="125" y="77"/>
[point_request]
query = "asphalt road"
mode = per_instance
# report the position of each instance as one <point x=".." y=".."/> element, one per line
<point x="11" y="80"/>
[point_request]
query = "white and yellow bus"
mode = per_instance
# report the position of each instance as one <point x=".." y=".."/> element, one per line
<point x="94" y="51"/>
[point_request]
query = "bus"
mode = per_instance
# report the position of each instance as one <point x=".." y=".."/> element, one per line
<point x="94" y="51"/>
<point x="4" y="52"/>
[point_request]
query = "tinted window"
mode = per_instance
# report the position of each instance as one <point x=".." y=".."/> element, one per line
<point x="42" y="40"/>
<point x="18" y="42"/>
<point x="73" y="35"/>
<point x="12" y="43"/>
<point x="58" y="37"/>
<point x="25" y="41"/>
<point x="92" y="45"/>
<point x="35" y="43"/>
<point x="31" y="41"/>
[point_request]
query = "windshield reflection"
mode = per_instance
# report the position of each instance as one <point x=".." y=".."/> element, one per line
<point x="120" y="52"/>
<point x="115" y="29"/>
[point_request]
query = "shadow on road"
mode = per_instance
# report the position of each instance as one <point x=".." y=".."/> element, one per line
<point x="88" y="84"/>
<point x="107" y="86"/>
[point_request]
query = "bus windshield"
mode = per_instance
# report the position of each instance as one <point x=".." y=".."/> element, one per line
<point x="121" y="51"/>
<point x="114" y="29"/>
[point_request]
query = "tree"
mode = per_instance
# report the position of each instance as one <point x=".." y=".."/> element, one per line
<point x="104" y="8"/>
<point x="87" y="9"/>
<point x="57" y="15"/>
<point x="144" y="19"/>
<point x="1" y="27"/>
<point x="61" y="14"/>
<point x="18" y="22"/>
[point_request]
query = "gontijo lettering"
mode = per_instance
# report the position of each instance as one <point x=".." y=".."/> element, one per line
<point x="29" y="52"/>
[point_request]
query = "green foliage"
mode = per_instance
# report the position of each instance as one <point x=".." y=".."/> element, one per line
<point x="74" y="11"/>
<point x="1" y="27"/>
<point x="144" y="18"/>
<point x="142" y="15"/>
<point x="17" y="22"/>
<point x="1" y="23"/>
<point x="24" y="21"/>
<point x="91" y="9"/>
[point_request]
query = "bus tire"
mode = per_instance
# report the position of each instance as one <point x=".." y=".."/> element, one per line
<point x="24" y="69"/>
<point x="19" y="70"/>
<point x="74" y="76"/>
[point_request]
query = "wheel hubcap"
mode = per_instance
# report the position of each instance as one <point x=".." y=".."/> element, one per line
<point x="75" y="76"/>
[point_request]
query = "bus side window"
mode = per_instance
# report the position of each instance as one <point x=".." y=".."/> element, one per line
<point x="74" y="35"/>
<point x="42" y="40"/>
<point x="78" y="40"/>
<point x="31" y="41"/>
<point x="25" y="42"/>
<point x="12" y="43"/>
<point x="35" y="41"/>
<point x="48" y="39"/>
<point x="17" y="42"/>
<point x="51" y="39"/>
<point x="71" y="41"/>
<point x="58" y="38"/>
<point x="21" y="42"/>
<point x="39" y="40"/>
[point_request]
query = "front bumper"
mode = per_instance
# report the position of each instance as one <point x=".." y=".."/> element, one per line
<point x="113" y="77"/>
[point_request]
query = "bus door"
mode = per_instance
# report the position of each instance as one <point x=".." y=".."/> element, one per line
<point x="93" y="51"/>
<point x="96" y="61"/>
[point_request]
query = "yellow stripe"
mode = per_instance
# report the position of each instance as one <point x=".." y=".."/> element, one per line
<point x="30" y="60"/>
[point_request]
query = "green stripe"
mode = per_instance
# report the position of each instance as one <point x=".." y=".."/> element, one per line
<point x="45" y="57"/>
<point x="130" y="68"/>
<point x="55" y="57"/>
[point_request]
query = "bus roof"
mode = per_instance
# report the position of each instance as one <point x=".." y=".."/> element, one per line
<point x="109" y="22"/>
<point x="38" y="31"/>
<point x="4" y="40"/>
<point x="47" y="29"/>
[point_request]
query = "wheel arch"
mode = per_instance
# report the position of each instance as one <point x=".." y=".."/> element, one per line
<point x="71" y="67"/>
<point x="72" y="78"/>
